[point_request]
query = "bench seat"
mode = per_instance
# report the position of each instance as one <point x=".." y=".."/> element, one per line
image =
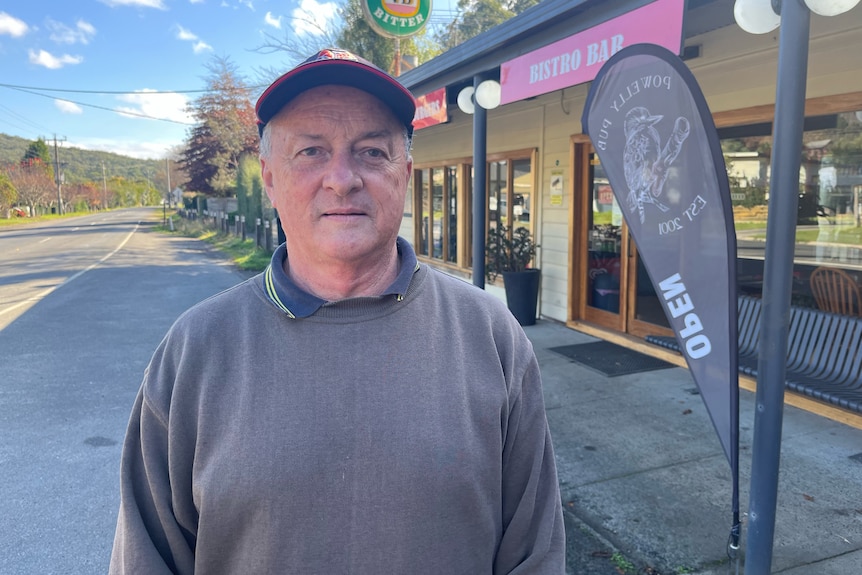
<point x="824" y="352"/>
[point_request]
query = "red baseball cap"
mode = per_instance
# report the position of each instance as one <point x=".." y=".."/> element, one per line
<point x="336" y="66"/>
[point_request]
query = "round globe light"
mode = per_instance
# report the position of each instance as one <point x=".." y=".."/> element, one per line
<point x="488" y="94"/>
<point x="465" y="100"/>
<point x="756" y="16"/>
<point x="830" y="7"/>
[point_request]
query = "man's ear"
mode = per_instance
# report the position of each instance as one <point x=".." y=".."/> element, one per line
<point x="266" y="176"/>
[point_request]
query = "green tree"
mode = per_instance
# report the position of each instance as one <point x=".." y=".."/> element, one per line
<point x="8" y="193"/>
<point x="38" y="150"/>
<point x="357" y="36"/>
<point x="225" y="129"/>
<point x="248" y="190"/>
<point x="38" y="153"/>
<point x="353" y="33"/>
<point x="477" y="16"/>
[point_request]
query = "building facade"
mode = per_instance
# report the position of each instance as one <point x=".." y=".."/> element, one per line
<point x="542" y="172"/>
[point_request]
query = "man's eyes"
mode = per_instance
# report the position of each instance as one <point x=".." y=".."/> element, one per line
<point x="369" y="152"/>
<point x="375" y="153"/>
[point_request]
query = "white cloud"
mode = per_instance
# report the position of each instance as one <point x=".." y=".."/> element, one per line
<point x="313" y="17"/>
<point x="133" y="147"/>
<point x="167" y="106"/>
<point x="142" y="3"/>
<point x="184" y="34"/>
<point x="196" y="1"/>
<point x="12" y="26"/>
<point x="43" y="58"/>
<point x="68" y="107"/>
<point x="271" y="20"/>
<point x="198" y="45"/>
<point x="248" y="4"/>
<point x="201" y="46"/>
<point x="62" y="34"/>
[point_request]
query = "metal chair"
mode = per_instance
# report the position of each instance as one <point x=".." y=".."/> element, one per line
<point x="835" y="291"/>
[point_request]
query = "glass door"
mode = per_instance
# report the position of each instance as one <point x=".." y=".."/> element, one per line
<point x="604" y="242"/>
<point x="612" y="285"/>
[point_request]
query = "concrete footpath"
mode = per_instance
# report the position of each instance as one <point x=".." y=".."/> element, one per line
<point x="646" y="487"/>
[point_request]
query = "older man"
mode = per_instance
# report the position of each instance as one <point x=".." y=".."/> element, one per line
<point x="349" y="410"/>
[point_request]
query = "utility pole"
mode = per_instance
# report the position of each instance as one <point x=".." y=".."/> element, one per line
<point x="57" y="176"/>
<point x="168" y="172"/>
<point x="104" y="188"/>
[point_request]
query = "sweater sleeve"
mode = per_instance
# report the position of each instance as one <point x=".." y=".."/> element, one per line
<point x="149" y="538"/>
<point x="533" y="540"/>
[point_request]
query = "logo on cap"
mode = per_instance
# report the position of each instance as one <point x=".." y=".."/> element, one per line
<point x="330" y="54"/>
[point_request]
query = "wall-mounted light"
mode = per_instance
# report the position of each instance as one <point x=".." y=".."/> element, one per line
<point x="763" y="16"/>
<point x="465" y="100"/>
<point x="486" y="94"/>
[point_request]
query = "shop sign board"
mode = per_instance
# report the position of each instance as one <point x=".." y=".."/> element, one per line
<point x="397" y="18"/>
<point x="431" y="109"/>
<point x="578" y="58"/>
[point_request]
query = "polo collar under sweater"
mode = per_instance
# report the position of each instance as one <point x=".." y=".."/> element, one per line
<point x="297" y="303"/>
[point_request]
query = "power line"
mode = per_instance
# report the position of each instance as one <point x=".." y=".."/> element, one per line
<point x="116" y="111"/>
<point x="19" y="118"/>
<point x="111" y="92"/>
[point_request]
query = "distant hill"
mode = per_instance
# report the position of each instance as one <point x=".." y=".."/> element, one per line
<point x="80" y="166"/>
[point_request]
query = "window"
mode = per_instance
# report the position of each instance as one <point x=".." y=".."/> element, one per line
<point x="828" y="231"/>
<point x="436" y="191"/>
<point x="510" y="191"/>
<point x="442" y="196"/>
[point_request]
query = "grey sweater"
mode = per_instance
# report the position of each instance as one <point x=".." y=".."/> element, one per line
<point x="390" y="435"/>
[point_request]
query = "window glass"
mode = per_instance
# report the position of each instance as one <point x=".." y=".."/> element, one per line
<point x="522" y="177"/>
<point x="828" y="232"/>
<point x="497" y="192"/>
<point x="437" y="211"/>
<point x="452" y="212"/>
<point x="423" y="185"/>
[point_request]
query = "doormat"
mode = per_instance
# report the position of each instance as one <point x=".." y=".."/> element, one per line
<point x="611" y="359"/>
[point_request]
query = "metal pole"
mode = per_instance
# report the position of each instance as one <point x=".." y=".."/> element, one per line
<point x="480" y="149"/>
<point x="104" y="188"/>
<point x="168" y="172"/>
<point x="57" y="178"/>
<point x="777" y="276"/>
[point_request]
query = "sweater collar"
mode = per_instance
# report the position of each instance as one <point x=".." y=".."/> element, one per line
<point x="298" y="303"/>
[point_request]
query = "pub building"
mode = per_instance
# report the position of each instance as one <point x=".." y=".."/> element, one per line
<point x="542" y="173"/>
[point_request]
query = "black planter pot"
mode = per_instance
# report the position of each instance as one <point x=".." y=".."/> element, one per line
<point x="522" y="294"/>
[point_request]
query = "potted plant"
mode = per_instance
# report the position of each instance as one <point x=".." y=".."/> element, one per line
<point x="509" y="253"/>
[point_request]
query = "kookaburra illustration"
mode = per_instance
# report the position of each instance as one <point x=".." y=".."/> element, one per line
<point x="645" y="162"/>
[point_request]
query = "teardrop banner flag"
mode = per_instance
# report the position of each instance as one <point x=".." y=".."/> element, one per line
<point x="653" y="132"/>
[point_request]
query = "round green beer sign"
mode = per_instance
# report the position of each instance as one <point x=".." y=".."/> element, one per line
<point x="397" y="18"/>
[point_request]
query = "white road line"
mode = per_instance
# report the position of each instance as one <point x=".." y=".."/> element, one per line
<point x="43" y="241"/>
<point x="67" y="280"/>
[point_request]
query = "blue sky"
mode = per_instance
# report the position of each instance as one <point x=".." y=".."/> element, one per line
<point x="69" y="55"/>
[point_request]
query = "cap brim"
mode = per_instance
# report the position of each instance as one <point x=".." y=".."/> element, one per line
<point x="339" y="72"/>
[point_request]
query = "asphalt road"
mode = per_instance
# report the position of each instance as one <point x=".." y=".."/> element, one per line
<point x="83" y="303"/>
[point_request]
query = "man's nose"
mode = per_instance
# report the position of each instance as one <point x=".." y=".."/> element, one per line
<point x="342" y="174"/>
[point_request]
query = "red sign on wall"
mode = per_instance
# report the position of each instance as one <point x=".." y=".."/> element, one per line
<point x="431" y="109"/>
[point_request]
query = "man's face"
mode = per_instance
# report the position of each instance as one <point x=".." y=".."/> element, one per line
<point x="337" y="173"/>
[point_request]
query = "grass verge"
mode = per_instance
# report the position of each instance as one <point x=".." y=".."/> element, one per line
<point x="13" y="221"/>
<point x="244" y="253"/>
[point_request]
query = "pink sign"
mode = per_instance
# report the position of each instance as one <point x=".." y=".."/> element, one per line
<point x="577" y="59"/>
